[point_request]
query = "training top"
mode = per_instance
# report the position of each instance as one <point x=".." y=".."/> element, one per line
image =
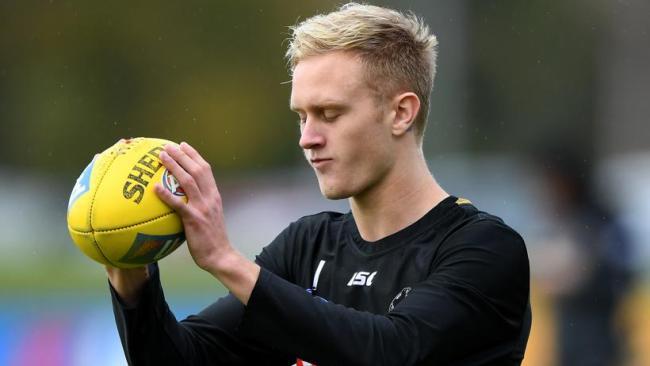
<point x="450" y="289"/>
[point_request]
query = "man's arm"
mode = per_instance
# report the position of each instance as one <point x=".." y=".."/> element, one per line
<point x="151" y="335"/>
<point x="203" y="221"/>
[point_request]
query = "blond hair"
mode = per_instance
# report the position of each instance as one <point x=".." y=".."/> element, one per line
<point x="398" y="51"/>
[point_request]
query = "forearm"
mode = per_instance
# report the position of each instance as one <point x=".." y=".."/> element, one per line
<point x="324" y="332"/>
<point x="151" y="335"/>
<point x="142" y="326"/>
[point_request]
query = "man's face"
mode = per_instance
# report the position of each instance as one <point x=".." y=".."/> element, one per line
<point x="345" y="132"/>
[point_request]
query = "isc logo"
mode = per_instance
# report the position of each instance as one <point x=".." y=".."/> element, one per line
<point x="362" y="278"/>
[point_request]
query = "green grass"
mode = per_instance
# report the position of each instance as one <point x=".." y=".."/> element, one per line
<point x="80" y="275"/>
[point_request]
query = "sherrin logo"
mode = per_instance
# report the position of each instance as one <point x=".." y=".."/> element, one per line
<point x="171" y="184"/>
<point x="141" y="174"/>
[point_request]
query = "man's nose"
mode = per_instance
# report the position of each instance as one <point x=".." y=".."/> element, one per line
<point x="310" y="136"/>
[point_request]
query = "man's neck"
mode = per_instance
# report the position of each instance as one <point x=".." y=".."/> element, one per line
<point x="402" y="198"/>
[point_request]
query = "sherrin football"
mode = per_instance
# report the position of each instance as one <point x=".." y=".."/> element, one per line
<point x="114" y="214"/>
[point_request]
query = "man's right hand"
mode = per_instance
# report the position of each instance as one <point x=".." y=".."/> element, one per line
<point x="128" y="282"/>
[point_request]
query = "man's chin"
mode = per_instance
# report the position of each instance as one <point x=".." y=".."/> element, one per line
<point x="333" y="193"/>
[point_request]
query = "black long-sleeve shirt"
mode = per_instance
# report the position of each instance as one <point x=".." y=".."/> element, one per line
<point x="450" y="289"/>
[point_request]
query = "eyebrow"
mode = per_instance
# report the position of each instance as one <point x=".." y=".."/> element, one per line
<point x="328" y="104"/>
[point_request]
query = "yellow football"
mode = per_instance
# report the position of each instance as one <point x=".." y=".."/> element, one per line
<point x="114" y="215"/>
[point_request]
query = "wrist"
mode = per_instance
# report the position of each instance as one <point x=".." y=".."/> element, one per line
<point x="223" y="262"/>
<point x="236" y="272"/>
<point x="128" y="283"/>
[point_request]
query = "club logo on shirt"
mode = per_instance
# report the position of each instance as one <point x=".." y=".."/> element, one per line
<point x="398" y="298"/>
<point x="300" y="362"/>
<point x="362" y="278"/>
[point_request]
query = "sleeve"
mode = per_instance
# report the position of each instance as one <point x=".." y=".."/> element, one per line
<point x="475" y="299"/>
<point x="151" y="335"/>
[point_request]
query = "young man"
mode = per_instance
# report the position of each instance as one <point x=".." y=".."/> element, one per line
<point x="411" y="276"/>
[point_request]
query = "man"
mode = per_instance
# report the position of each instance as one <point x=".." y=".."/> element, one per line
<point x="411" y="276"/>
<point x="594" y="275"/>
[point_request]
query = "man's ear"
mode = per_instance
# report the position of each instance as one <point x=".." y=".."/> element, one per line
<point x="407" y="106"/>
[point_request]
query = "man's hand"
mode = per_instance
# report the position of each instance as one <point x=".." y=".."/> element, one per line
<point x="128" y="282"/>
<point x="203" y="220"/>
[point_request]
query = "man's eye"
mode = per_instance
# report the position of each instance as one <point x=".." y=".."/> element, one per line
<point x="330" y="117"/>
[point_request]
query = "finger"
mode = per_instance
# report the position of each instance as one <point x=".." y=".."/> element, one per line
<point x="191" y="152"/>
<point x="184" y="178"/>
<point x="205" y="180"/>
<point x="176" y="203"/>
<point x="183" y="159"/>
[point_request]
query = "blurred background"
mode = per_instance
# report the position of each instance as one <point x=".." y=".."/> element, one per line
<point x="539" y="115"/>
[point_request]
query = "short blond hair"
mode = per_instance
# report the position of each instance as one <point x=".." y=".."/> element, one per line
<point x="398" y="51"/>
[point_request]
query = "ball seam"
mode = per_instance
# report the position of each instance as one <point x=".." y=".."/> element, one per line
<point x="125" y="227"/>
<point x="92" y="206"/>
